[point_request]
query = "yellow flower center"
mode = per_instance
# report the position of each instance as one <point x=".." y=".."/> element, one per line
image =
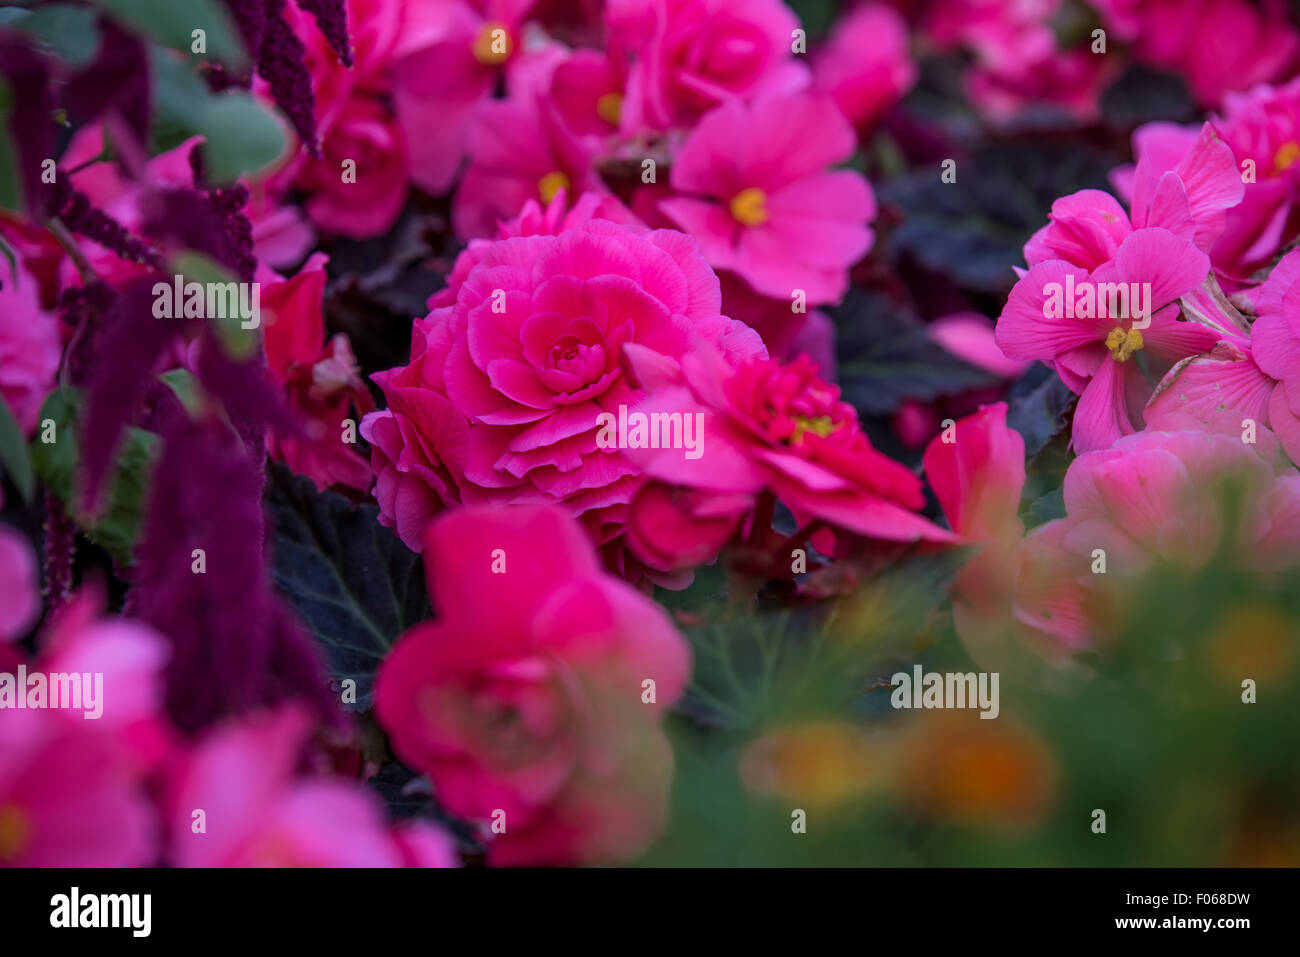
<point x="1286" y="156"/>
<point x="749" y="206"/>
<point x="492" y="45"/>
<point x="550" y="184"/>
<point x="822" y="425"/>
<point x="13" y="832"/>
<point x="610" y="108"/>
<point x="1122" y="342"/>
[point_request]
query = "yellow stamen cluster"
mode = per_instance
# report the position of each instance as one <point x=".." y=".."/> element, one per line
<point x="492" y="45"/>
<point x="610" y="108"/>
<point x="550" y="184"/>
<point x="1286" y="156"/>
<point x="13" y="832"/>
<point x="749" y="207"/>
<point x="822" y="426"/>
<point x="1122" y="343"/>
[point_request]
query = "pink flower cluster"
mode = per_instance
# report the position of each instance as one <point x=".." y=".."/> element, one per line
<point x="121" y="788"/>
<point x="1200" y="389"/>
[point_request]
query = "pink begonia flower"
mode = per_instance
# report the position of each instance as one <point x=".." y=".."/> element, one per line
<point x="519" y="357"/>
<point x="363" y="200"/>
<point x="978" y="476"/>
<point x="779" y="429"/>
<point x="73" y="784"/>
<point x="526" y="700"/>
<point x="1185" y="186"/>
<point x="587" y="89"/>
<point x="445" y="71"/>
<point x="688" y="56"/>
<point x="29" y="347"/>
<point x="1217" y="45"/>
<point x="1262" y="128"/>
<point x="321" y="380"/>
<point x="68" y="798"/>
<point x="1154" y="496"/>
<point x="257" y="811"/>
<point x="1274" y="351"/>
<point x="865" y="66"/>
<point x="20" y="588"/>
<point x="1094" y="353"/>
<point x="520" y="150"/>
<point x="757" y="195"/>
<point x="1017" y="63"/>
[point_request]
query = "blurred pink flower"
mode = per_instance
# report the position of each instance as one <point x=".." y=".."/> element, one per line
<point x="520" y="150"/>
<point x="29" y="347"/>
<point x="526" y="700"/>
<point x="978" y="473"/>
<point x="1154" y="496"/>
<point x="448" y="66"/>
<point x="68" y="798"/>
<point x="688" y="56"/>
<point x="364" y="199"/>
<point x="1017" y="63"/>
<point x="73" y="780"/>
<point x="1218" y="45"/>
<point x="757" y="195"/>
<point x="521" y="354"/>
<point x="865" y="66"/>
<point x="257" y="811"/>
<point x="20" y="587"/>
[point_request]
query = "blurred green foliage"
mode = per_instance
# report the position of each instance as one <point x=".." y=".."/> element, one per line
<point x="1149" y="727"/>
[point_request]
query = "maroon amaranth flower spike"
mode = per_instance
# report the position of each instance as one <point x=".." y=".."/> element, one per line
<point x="72" y="207"/>
<point x="282" y="62"/>
<point x="219" y="79"/>
<point x="234" y="646"/>
<point x="125" y="351"/>
<point x="250" y="20"/>
<point x="332" y="18"/>
<point x="228" y="204"/>
<point x="82" y="309"/>
<point x="60" y="547"/>
<point x="116" y="81"/>
<point x="30" y="125"/>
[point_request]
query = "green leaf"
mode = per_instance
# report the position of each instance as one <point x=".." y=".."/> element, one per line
<point x="69" y="32"/>
<point x="186" y="387"/>
<point x="10" y="195"/>
<point x="172" y="23"/>
<point x="13" y="453"/>
<point x="56" y="463"/>
<point x="349" y="578"/>
<point x="241" y="136"/>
